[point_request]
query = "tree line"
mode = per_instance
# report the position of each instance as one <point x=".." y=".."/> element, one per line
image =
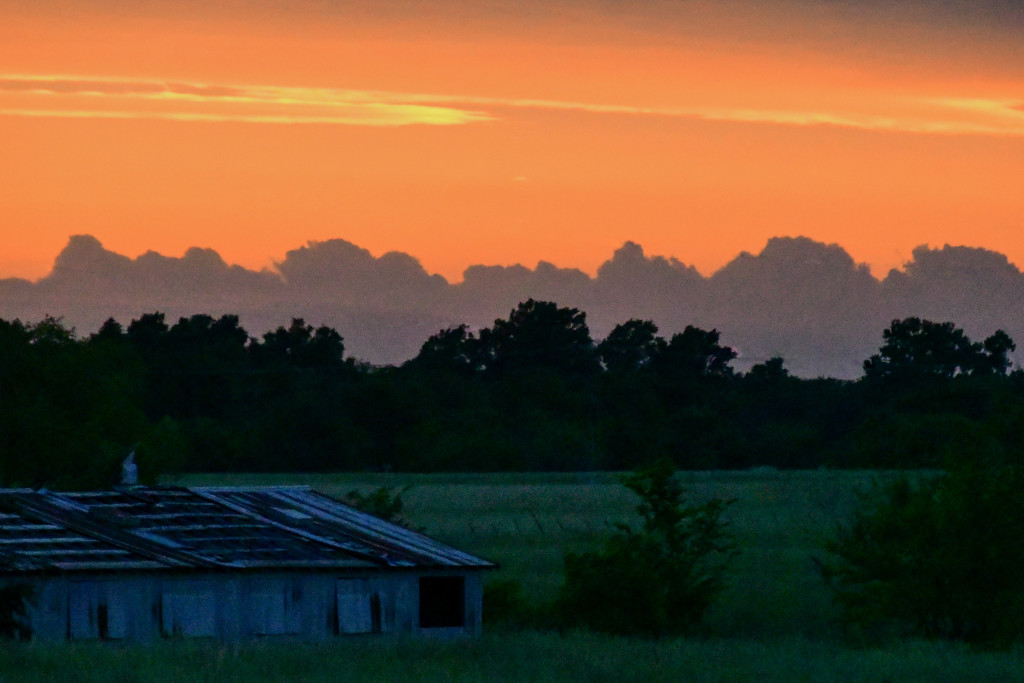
<point x="534" y="391"/>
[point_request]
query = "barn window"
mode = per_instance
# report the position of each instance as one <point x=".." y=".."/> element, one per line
<point x="359" y="607"/>
<point x="442" y="601"/>
<point x="97" y="610"/>
<point x="189" y="609"/>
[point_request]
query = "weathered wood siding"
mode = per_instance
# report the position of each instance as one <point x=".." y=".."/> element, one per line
<point x="144" y="607"/>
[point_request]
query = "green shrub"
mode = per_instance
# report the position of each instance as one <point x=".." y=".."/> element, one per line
<point x="506" y="606"/>
<point x="939" y="558"/>
<point x="658" y="580"/>
<point x="381" y="503"/>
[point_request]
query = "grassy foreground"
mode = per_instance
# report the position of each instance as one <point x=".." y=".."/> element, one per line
<point x="522" y="656"/>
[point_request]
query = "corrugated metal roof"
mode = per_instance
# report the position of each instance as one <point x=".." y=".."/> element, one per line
<point x="302" y="510"/>
<point x="226" y="527"/>
<point x="29" y="544"/>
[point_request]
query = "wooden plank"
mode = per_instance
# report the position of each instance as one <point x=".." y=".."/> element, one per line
<point x="355" y="607"/>
<point x="267" y="612"/>
<point x="82" y="621"/>
<point x="275" y="606"/>
<point x="98" y="610"/>
<point x="189" y="609"/>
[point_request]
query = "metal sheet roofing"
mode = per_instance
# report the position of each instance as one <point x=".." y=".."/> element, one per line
<point x="217" y="527"/>
<point x="30" y="544"/>
<point x="314" y="515"/>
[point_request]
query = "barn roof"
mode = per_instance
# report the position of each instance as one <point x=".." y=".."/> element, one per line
<point x="217" y="527"/>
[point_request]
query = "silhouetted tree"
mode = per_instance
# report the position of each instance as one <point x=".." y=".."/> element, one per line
<point x="998" y="348"/>
<point x="921" y="348"/>
<point x="455" y="350"/>
<point x="772" y="370"/>
<point x="696" y="353"/>
<point x="148" y="331"/>
<point x="630" y="346"/>
<point x="68" y="409"/>
<point x="301" y="346"/>
<point x="939" y="557"/>
<point x="540" y="334"/>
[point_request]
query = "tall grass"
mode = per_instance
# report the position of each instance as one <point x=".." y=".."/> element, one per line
<point x="500" y="656"/>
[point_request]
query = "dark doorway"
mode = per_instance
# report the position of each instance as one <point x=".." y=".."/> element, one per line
<point x="442" y="601"/>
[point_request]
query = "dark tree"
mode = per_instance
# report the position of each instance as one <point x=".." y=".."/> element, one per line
<point x="630" y="346"/>
<point x="454" y="350"/>
<point x="939" y="557"/>
<point x="696" y="353"/>
<point x="540" y="334"/>
<point x="110" y="330"/>
<point x="68" y="409"/>
<point x="148" y="331"/>
<point x="302" y="346"/>
<point x="921" y="348"/>
<point x="772" y="370"/>
<point x="997" y="350"/>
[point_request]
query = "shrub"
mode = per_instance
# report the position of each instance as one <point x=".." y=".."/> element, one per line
<point x="939" y="558"/>
<point x="658" y="580"/>
<point x="505" y="605"/>
<point x="381" y="503"/>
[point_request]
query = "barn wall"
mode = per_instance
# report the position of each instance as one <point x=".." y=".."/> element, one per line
<point x="144" y="607"/>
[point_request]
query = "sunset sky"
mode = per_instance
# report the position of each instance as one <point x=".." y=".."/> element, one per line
<point x="466" y="132"/>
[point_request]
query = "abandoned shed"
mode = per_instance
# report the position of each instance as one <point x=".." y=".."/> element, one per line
<point x="144" y="563"/>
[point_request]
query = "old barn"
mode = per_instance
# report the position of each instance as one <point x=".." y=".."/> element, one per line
<point x="231" y="563"/>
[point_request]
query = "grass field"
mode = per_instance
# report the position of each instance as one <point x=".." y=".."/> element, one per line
<point x="520" y="656"/>
<point x="775" y="622"/>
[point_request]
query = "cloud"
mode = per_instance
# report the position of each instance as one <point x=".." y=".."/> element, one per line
<point x="68" y="97"/>
<point x="111" y="98"/>
<point x="922" y="115"/>
<point x="808" y="302"/>
<point x="339" y="271"/>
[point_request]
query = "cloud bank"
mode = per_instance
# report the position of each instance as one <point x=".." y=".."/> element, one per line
<point x="803" y="300"/>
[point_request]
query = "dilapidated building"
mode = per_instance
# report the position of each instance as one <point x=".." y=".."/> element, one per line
<point x="231" y="563"/>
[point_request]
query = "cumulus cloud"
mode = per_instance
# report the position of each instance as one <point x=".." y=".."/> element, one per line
<point x="808" y="302"/>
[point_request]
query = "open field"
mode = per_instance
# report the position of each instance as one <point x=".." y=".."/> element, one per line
<point x="773" y="624"/>
<point x="526" y="522"/>
<point x="521" y="656"/>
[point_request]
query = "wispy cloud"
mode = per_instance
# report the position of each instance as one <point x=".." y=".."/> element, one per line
<point x="68" y="97"/>
<point x="922" y="115"/>
<point x="110" y="98"/>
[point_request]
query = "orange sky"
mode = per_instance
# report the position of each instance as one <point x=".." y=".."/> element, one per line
<point x="485" y="132"/>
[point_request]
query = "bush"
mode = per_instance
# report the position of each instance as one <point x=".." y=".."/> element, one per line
<point x="506" y="606"/>
<point x="656" y="581"/>
<point x="939" y="558"/>
<point x="381" y="503"/>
